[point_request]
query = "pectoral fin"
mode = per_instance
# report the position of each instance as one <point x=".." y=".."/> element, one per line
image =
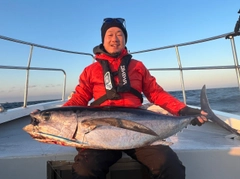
<point x="116" y="122"/>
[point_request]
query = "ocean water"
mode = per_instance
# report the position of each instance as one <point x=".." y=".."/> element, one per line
<point x="221" y="99"/>
<point x="13" y="105"/>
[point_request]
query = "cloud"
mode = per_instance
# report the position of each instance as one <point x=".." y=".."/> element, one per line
<point x="52" y="85"/>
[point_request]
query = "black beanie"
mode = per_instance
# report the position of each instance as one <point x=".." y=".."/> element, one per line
<point x="113" y="23"/>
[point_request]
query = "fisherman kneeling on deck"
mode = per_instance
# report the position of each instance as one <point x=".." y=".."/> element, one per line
<point x="115" y="79"/>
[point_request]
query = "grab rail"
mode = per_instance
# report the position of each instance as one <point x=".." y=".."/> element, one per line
<point x="45" y="47"/>
<point x="176" y="46"/>
<point x="236" y="66"/>
<point x="38" y="68"/>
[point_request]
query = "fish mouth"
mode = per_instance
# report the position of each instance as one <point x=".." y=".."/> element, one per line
<point x="54" y="139"/>
<point x="44" y="137"/>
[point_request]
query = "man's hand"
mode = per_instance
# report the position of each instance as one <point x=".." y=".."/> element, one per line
<point x="201" y="119"/>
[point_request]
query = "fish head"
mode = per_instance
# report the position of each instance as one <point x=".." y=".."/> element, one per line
<point x="49" y="126"/>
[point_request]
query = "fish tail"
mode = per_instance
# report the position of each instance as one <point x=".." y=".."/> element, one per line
<point x="206" y="107"/>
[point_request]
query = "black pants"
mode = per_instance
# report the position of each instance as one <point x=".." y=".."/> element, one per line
<point x="161" y="161"/>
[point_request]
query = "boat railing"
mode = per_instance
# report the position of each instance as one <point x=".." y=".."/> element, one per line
<point x="36" y="68"/>
<point x="28" y="67"/>
<point x="176" y="46"/>
<point x="235" y="65"/>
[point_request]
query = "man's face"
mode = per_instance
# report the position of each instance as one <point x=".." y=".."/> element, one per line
<point x="114" y="40"/>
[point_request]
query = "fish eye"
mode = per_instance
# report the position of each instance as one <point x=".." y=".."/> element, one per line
<point x="46" y="116"/>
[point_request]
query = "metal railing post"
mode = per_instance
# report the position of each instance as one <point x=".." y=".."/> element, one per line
<point x="181" y="74"/>
<point x="235" y="58"/>
<point x="64" y="86"/>
<point x="27" y="78"/>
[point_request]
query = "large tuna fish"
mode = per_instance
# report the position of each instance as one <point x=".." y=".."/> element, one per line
<point x="110" y="128"/>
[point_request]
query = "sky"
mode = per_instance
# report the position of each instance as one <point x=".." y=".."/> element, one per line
<point x="75" y="25"/>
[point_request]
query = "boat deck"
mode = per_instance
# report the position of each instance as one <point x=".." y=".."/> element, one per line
<point x="20" y="155"/>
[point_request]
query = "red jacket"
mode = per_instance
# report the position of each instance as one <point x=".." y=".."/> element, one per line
<point x="91" y="85"/>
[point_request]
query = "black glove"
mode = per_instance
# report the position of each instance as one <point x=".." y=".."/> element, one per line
<point x="191" y="111"/>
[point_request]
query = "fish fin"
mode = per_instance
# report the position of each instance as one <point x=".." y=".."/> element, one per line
<point x="75" y="133"/>
<point x="233" y="136"/>
<point x="162" y="142"/>
<point x="116" y="122"/>
<point x="146" y="105"/>
<point x="206" y="107"/>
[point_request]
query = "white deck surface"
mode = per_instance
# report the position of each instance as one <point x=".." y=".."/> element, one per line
<point x="205" y="151"/>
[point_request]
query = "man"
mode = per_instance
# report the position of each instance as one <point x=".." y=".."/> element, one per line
<point x="115" y="79"/>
